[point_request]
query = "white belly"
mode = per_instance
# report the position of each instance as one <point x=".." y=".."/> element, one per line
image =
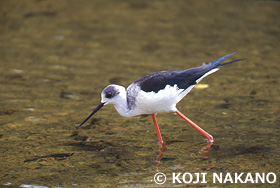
<point x="163" y="101"/>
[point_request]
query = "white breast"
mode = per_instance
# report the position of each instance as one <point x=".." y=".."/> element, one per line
<point x="163" y="101"/>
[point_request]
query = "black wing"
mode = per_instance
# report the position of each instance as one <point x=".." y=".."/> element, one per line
<point x="158" y="80"/>
<point x="182" y="78"/>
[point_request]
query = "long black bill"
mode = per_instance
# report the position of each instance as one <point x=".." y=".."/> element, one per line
<point x="93" y="112"/>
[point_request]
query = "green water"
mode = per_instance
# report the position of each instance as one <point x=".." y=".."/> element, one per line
<point x="57" y="56"/>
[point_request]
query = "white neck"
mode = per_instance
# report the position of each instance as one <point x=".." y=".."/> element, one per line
<point x="120" y="103"/>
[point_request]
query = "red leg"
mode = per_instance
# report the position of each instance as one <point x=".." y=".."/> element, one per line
<point x="208" y="136"/>
<point x="163" y="147"/>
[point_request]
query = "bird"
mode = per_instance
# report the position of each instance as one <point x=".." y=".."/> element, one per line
<point x="158" y="92"/>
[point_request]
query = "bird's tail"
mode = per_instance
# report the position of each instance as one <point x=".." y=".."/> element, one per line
<point x="231" y="62"/>
<point x="218" y="62"/>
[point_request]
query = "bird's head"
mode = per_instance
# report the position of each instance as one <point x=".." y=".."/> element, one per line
<point x="109" y="95"/>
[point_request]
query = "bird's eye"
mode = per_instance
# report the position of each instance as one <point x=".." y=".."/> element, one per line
<point x="108" y="95"/>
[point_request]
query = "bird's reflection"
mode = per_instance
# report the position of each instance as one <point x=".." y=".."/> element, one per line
<point x="202" y="153"/>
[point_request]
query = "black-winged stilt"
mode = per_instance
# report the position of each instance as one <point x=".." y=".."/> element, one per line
<point x="158" y="92"/>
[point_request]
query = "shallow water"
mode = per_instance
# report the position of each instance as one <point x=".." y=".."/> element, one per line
<point x="56" y="57"/>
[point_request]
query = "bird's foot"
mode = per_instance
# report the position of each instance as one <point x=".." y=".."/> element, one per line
<point x="162" y="148"/>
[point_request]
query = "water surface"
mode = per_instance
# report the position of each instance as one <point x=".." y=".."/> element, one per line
<point x="57" y="56"/>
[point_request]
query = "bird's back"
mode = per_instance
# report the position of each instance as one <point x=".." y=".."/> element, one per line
<point x="169" y="87"/>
